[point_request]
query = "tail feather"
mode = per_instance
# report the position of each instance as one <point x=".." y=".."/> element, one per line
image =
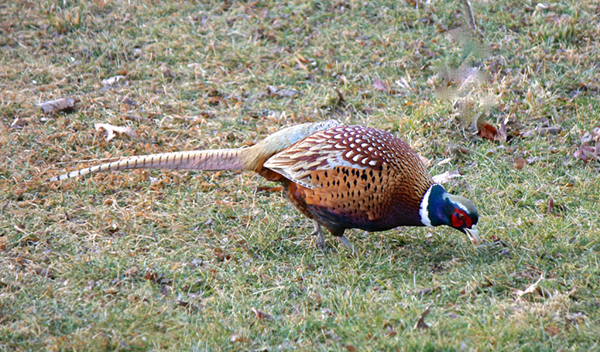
<point x="249" y="159"/>
<point x="207" y="160"/>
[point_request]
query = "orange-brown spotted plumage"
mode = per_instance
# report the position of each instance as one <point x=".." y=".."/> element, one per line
<point x="354" y="177"/>
<point x="342" y="177"/>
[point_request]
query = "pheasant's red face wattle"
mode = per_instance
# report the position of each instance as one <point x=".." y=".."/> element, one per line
<point x="461" y="219"/>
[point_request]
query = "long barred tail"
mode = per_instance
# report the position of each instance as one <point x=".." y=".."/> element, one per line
<point x="208" y="160"/>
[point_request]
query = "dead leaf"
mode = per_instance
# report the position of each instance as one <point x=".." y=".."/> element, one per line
<point x="221" y="254"/>
<point x="109" y="82"/>
<point x="302" y="59"/>
<point x="261" y="315"/>
<point x="390" y="330"/>
<point x="531" y="289"/>
<point x="167" y="72"/>
<point x="519" y="163"/>
<point x="550" y="206"/>
<point x="287" y="93"/>
<point x="187" y="305"/>
<point x="421" y="324"/>
<point x="446" y="176"/>
<point x="53" y="106"/>
<point x="381" y="85"/>
<point x="237" y="338"/>
<point x="350" y="348"/>
<point x="131" y="272"/>
<point x="112" y="131"/>
<point x="585" y="153"/>
<point x="283" y="93"/>
<point x="152" y="275"/>
<point x="487" y="131"/>
<point x="551" y="329"/>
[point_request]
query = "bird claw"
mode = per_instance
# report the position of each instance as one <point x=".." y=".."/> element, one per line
<point x="343" y="240"/>
<point x="320" y="240"/>
<point x="318" y="233"/>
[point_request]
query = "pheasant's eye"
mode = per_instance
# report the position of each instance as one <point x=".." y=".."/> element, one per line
<point x="460" y="219"/>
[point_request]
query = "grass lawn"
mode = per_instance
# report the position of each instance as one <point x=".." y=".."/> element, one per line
<point x="175" y="260"/>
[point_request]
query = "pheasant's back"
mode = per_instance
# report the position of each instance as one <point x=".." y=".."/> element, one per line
<point x="354" y="176"/>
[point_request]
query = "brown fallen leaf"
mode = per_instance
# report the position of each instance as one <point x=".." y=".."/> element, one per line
<point x="531" y="289"/>
<point x="221" y="255"/>
<point x="350" y="348"/>
<point x="53" y="106"/>
<point x="112" y="131"/>
<point x="519" y="163"/>
<point x="487" y="131"/>
<point x="550" y="206"/>
<point x="421" y="324"/>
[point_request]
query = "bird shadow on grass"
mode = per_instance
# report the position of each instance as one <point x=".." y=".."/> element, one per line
<point x="437" y="254"/>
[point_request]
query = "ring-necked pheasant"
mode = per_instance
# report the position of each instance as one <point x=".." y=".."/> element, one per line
<point x="342" y="177"/>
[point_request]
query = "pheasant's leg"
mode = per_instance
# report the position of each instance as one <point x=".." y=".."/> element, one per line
<point x="343" y="240"/>
<point x="320" y="240"/>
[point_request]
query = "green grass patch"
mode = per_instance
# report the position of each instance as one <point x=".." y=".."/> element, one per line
<point x="173" y="260"/>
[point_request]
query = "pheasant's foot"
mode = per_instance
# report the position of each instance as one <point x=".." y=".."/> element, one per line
<point x="347" y="244"/>
<point x="318" y="233"/>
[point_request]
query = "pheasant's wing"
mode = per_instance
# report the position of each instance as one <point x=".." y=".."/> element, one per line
<point x="352" y="147"/>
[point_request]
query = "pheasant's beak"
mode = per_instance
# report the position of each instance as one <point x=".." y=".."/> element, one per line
<point x="473" y="235"/>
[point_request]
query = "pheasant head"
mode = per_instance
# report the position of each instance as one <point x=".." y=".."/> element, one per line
<point x="439" y="207"/>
